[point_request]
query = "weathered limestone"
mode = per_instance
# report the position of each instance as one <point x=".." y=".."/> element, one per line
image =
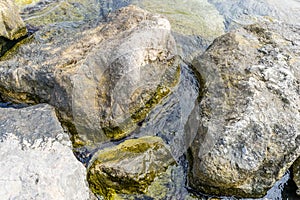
<point x="37" y="161"/>
<point x="103" y="80"/>
<point x="249" y="125"/>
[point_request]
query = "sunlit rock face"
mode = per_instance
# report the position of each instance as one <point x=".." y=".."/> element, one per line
<point x="12" y="26"/>
<point x="249" y="124"/>
<point x="126" y="78"/>
<point x="37" y="161"/>
<point x="103" y="80"/>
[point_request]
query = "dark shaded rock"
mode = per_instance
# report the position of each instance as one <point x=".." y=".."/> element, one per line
<point x="37" y="161"/>
<point x="249" y="111"/>
<point x="296" y="174"/>
<point x="128" y="168"/>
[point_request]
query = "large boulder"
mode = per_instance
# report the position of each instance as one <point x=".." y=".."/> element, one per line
<point x="37" y="161"/>
<point x="103" y="80"/>
<point x="249" y="125"/>
<point x="128" y="168"/>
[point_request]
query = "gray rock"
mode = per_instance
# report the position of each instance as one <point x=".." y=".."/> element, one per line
<point x="296" y="174"/>
<point x="103" y="80"/>
<point x="249" y="127"/>
<point x="37" y="161"/>
<point x="128" y="168"/>
<point x="12" y="26"/>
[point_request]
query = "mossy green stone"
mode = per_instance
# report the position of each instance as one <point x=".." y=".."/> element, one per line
<point x="128" y="168"/>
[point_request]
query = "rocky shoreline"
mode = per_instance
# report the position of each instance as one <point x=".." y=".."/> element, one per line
<point x="157" y="100"/>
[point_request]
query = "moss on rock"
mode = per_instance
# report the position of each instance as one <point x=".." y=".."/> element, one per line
<point x="128" y="168"/>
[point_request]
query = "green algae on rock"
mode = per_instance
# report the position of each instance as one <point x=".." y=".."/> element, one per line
<point x="12" y="26"/>
<point x="249" y="128"/>
<point x="103" y="79"/>
<point x="125" y="76"/>
<point x="128" y="168"/>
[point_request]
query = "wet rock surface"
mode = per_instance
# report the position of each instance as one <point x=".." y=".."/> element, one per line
<point x="82" y="76"/>
<point x="12" y="26"/>
<point x="37" y="161"/>
<point x="128" y="168"/>
<point x="248" y="133"/>
<point x="117" y="76"/>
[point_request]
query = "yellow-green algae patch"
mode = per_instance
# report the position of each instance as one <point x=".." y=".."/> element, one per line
<point x="128" y="168"/>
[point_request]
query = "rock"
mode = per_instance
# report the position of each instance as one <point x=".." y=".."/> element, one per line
<point x="37" y="161"/>
<point x="128" y="168"/>
<point x="296" y="174"/>
<point x="249" y="126"/>
<point x="103" y="80"/>
<point x="12" y="26"/>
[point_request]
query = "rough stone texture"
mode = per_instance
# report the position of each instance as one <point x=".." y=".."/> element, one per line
<point x="249" y="125"/>
<point x="37" y="161"/>
<point x="11" y="25"/>
<point x="128" y="168"/>
<point x="103" y="79"/>
<point x="296" y="174"/>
